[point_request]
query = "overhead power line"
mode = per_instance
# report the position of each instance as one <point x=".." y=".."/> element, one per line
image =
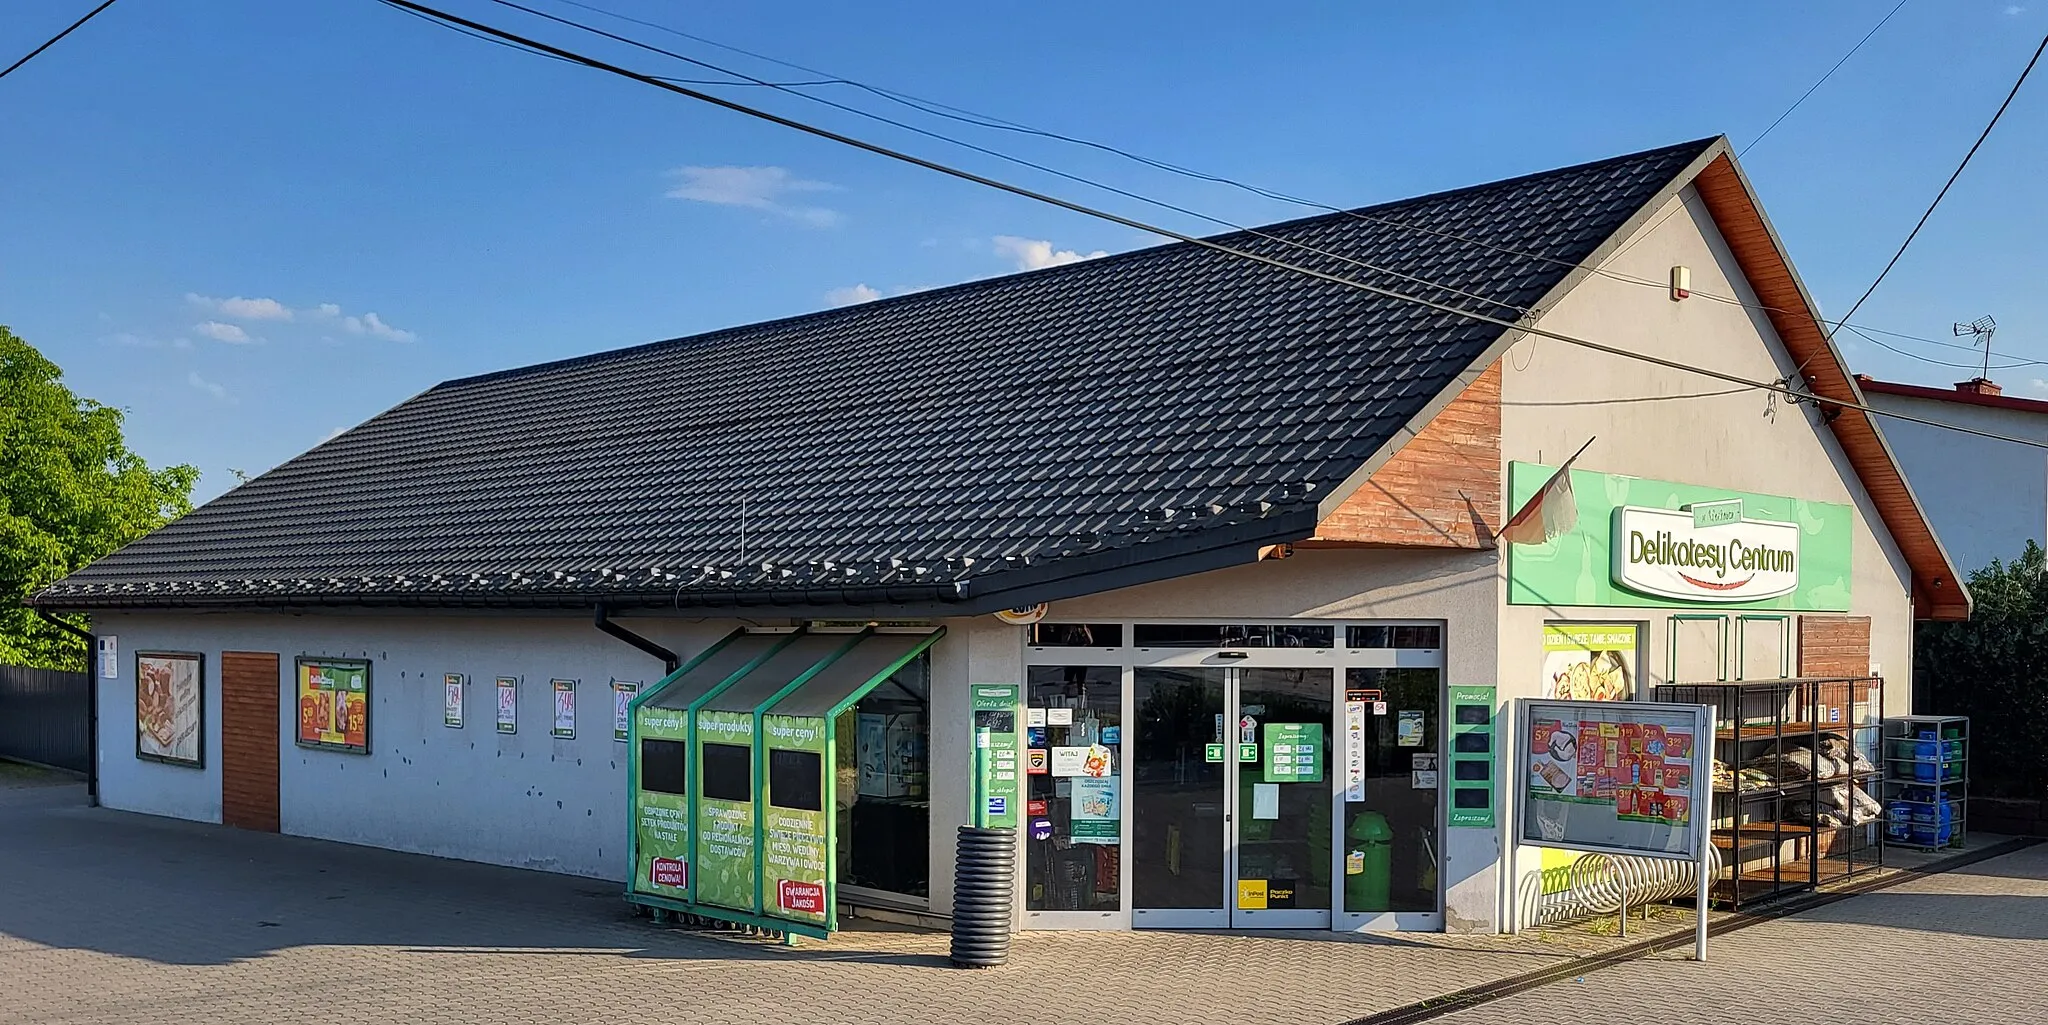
<point x="1009" y="158"/>
<point x="1810" y="90"/>
<point x="1981" y="136"/>
<point x="52" y="41"/>
<point x="993" y="122"/>
<point x="1205" y="243"/>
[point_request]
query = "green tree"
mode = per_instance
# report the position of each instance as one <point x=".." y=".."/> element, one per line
<point x="1994" y="669"/>
<point x="70" y="492"/>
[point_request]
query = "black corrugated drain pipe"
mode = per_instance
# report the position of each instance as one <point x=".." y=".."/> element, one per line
<point x="984" y="881"/>
<point x="604" y="622"/>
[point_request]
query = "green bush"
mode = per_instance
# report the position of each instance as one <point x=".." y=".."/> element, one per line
<point x="1994" y="669"/>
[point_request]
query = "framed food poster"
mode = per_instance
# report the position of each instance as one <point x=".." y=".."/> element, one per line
<point x="334" y="704"/>
<point x="508" y="704"/>
<point x="451" y="701"/>
<point x="1590" y="661"/>
<point x="622" y="706"/>
<point x="565" y="709"/>
<point x="1615" y="777"/>
<point x="170" y="708"/>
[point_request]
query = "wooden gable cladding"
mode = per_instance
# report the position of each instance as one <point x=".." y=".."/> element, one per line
<point x="1727" y="196"/>
<point x="1441" y="490"/>
<point x="1834" y="645"/>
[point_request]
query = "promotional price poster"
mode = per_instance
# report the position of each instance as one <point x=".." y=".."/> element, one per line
<point x="508" y="704"/>
<point x="622" y="705"/>
<point x="565" y="709"/>
<point x="334" y="705"/>
<point x="1643" y="770"/>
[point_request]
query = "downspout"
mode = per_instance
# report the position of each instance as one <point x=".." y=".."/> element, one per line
<point x="92" y="705"/>
<point x="604" y="622"/>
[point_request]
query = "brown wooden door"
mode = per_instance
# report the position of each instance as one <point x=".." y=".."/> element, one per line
<point x="249" y="689"/>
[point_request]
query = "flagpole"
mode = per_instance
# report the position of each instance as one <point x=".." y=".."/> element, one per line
<point x="1562" y="469"/>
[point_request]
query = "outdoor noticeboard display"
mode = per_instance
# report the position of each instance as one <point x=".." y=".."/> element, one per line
<point x="1615" y="777"/>
<point x="1001" y="773"/>
<point x="731" y="761"/>
<point x="334" y="704"/>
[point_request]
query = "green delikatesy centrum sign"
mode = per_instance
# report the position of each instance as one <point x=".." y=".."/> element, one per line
<point x="1735" y="546"/>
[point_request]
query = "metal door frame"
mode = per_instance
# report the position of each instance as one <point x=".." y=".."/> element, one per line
<point x="1403" y="921"/>
<point x="1229" y="915"/>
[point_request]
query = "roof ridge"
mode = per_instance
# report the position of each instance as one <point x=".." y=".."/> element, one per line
<point x="1114" y="259"/>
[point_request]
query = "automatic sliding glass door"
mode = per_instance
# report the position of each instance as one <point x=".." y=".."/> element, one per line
<point x="1180" y="871"/>
<point x="1233" y="796"/>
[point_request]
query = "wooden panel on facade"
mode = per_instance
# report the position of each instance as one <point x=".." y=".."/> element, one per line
<point x="1834" y="645"/>
<point x="249" y="701"/>
<point x="1441" y="490"/>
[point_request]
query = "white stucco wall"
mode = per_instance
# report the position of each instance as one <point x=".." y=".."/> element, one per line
<point x="1670" y="425"/>
<point x="525" y="799"/>
<point x="1986" y="498"/>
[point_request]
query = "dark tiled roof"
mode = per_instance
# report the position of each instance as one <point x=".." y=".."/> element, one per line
<point x="967" y="444"/>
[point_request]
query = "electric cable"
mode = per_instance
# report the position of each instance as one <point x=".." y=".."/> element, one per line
<point x="1823" y="79"/>
<point x="1198" y="241"/>
<point x="993" y="122"/>
<point x="1078" y="179"/>
<point x="1981" y="136"/>
<point x="52" y="41"/>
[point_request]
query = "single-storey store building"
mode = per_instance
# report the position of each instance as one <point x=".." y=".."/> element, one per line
<point x="1230" y="531"/>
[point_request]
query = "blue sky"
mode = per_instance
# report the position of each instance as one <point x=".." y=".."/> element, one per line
<point x="252" y="223"/>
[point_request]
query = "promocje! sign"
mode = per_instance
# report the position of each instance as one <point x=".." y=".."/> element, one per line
<point x="1675" y="554"/>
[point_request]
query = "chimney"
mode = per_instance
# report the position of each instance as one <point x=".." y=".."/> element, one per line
<point x="1979" y="386"/>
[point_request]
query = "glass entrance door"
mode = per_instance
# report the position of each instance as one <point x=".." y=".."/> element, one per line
<point x="1391" y="787"/>
<point x="1233" y="796"/>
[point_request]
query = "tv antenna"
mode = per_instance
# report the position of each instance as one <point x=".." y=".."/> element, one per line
<point x="1980" y="330"/>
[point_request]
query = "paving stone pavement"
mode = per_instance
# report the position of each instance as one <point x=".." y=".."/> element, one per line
<point x="108" y="917"/>
<point x="1968" y="945"/>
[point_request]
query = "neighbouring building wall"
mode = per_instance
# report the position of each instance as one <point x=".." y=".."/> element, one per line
<point x="1986" y="498"/>
<point x="524" y="799"/>
<point x="1458" y="588"/>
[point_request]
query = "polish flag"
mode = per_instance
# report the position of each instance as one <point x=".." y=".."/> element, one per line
<point x="1551" y="512"/>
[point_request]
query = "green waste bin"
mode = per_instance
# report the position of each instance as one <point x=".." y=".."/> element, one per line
<point x="1368" y="863"/>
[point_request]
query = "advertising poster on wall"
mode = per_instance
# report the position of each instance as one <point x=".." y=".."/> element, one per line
<point x="622" y="706"/>
<point x="995" y="707"/>
<point x="1590" y="661"/>
<point x="334" y="704"/>
<point x="565" y="709"/>
<point x="1612" y="775"/>
<point x="725" y="810"/>
<point x="169" y="708"/>
<point x="451" y="701"/>
<point x="661" y="818"/>
<point x="508" y="704"/>
<point x="796" y="861"/>
<point x="1096" y="816"/>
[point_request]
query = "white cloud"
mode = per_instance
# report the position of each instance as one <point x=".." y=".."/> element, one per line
<point x="853" y="295"/>
<point x="327" y="310"/>
<point x="333" y="434"/>
<point x="2039" y="387"/>
<point x="756" y="188"/>
<point x="1038" y="254"/>
<point x="2015" y="10"/>
<point x="374" y="326"/>
<point x="241" y="308"/>
<point x="209" y="387"/>
<point x="220" y="332"/>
